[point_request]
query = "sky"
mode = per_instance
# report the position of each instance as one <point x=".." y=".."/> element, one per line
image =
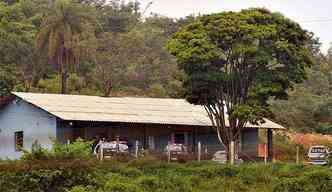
<point x="313" y="15"/>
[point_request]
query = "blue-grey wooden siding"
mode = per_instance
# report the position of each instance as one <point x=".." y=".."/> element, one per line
<point x="35" y="123"/>
<point x="249" y="141"/>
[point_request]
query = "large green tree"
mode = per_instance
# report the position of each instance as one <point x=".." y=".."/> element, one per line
<point x="67" y="27"/>
<point x="235" y="61"/>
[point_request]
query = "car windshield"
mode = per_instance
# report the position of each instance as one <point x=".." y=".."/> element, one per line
<point x="318" y="150"/>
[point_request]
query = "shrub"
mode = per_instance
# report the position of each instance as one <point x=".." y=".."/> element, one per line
<point x="290" y="185"/>
<point x="255" y="173"/>
<point x="36" y="153"/>
<point x="56" y="177"/>
<point x="154" y="176"/>
<point x="120" y="184"/>
<point x="311" y="180"/>
<point x="79" y="149"/>
<point x="320" y="180"/>
<point x="149" y="183"/>
<point x="80" y="189"/>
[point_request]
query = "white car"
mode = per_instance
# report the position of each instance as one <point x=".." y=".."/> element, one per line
<point x="318" y="155"/>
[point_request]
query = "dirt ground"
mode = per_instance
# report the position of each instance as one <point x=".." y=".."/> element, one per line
<point x="311" y="139"/>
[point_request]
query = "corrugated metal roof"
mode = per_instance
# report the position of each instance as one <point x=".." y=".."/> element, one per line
<point x="124" y="109"/>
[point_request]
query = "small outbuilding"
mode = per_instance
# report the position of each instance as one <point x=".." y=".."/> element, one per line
<point x="153" y="122"/>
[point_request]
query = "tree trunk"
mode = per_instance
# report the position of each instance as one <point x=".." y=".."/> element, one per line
<point x="232" y="152"/>
<point x="64" y="77"/>
<point x="108" y="88"/>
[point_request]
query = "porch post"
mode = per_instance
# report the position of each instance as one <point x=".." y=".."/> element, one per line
<point x="194" y="140"/>
<point x="145" y="140"/>
<point x="270" y="144"/>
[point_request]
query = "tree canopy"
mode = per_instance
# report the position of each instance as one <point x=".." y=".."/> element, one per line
<point x="235" y="61"/>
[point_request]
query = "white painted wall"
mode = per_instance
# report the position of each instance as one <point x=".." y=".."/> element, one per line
<point x="35" y="123"/>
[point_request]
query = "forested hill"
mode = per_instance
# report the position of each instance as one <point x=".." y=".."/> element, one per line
<point x="95" y="48"/>
<point x="116" y="50"/>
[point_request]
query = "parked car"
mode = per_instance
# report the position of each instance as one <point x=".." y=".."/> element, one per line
<point x="318" y="155"/>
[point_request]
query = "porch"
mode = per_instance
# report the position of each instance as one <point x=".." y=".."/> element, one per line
<point x="155" y="137"/>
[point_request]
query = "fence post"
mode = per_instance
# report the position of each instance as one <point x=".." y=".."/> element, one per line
<point x="136" y="149"/>
<point x="297" y="155"/>
<point x="199" y="148"/>
<point x="117" y="144"/>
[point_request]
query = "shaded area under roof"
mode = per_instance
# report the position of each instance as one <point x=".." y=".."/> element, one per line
<point x="124" y="109"/>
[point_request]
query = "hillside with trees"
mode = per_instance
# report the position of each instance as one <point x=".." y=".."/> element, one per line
<point x="309" y="106"/>
<point x="87" y="47"/>
<point x="112" y="49"/>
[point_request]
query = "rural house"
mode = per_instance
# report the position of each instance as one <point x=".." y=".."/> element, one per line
<point x="28" y="117"/>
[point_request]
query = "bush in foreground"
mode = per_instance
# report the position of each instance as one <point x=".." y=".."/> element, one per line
<point x="79" y="149"/>
<point x="149" y="175"/>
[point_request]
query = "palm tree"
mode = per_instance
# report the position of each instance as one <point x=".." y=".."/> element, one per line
<point x="67" y="24"/>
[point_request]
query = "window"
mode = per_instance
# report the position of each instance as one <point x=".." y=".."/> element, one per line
<point x="318" y="150"/>
<point x="19" y="140"/>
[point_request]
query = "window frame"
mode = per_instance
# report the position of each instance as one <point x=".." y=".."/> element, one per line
<point x="19" y="135"/>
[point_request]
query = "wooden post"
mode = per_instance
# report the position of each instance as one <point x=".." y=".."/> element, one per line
<point x="297" y="155"/>
<point x="199" y="148"/>
<point x="265" y="154"/>
<point x="101" y="152"/>
<point x="117" y="144"/>
<point x="205" y="152"/>
<point x="169" y="155"/>
<point x="270" y="145"/>
<point x="232" y="153"/>
<point x="136" y="149"/>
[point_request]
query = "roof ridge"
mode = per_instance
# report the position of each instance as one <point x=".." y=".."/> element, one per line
<point x="98" y="96"/>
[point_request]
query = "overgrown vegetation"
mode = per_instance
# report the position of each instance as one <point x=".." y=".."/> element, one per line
<point x="151" y="175"/>
<point x="71" y="168"/>
<point x="79" y="149"/>
<point x="309" y="106"/>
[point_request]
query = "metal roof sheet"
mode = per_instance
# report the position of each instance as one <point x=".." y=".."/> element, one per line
<point x="124" y="109"/>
